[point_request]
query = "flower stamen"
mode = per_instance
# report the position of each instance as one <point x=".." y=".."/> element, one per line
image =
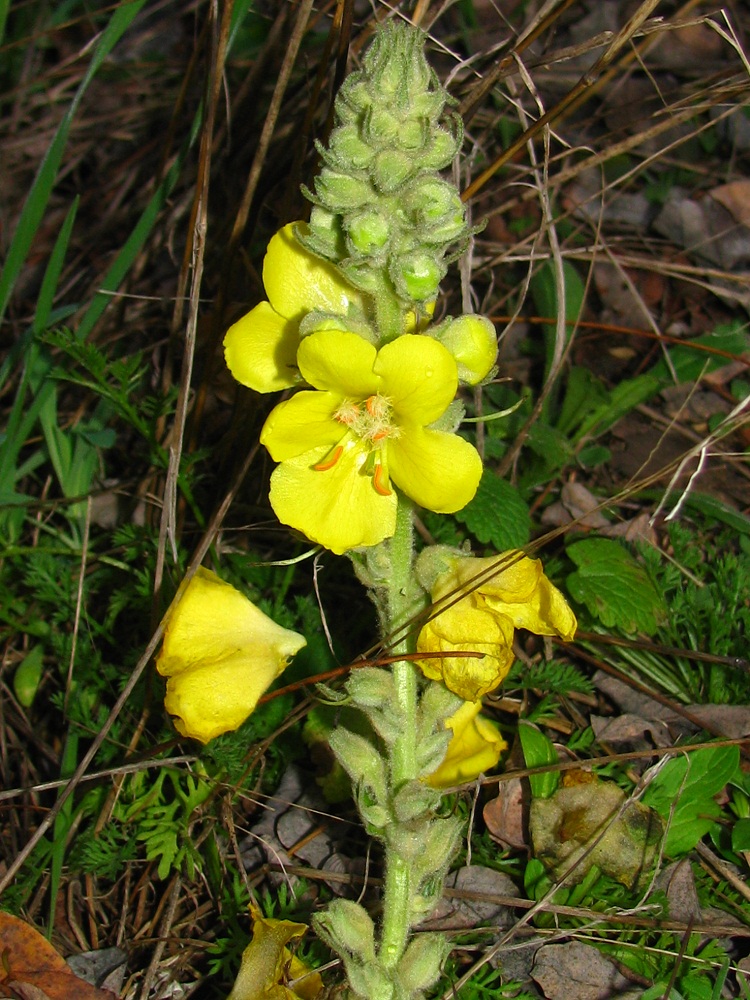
<point x="330" y="460"/>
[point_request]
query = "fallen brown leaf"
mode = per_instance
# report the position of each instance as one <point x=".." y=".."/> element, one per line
<point x="31" y="969"/>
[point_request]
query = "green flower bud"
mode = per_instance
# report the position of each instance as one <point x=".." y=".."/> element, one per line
<point x="390" y="169"/>
<point x="368" y="232"/>
<point x="349" y="148"/>
<point x="360" y="760"/>
<point x="417" y="276"/>
<point x="371" y="687"/>
<point x="472" y="342"/>
<point x="337" y="190"/>
<point x="413" y="135"/>
<point x="381" y="127"/>
<point x="442" y="148"/>
<point x="414" y="800"/>
<point x="439" y="844"/>
<point x="348" y="928"/>
<point x="422" y="962"/>
<point x="431" y="752"/>
<point x="370" y="981"/>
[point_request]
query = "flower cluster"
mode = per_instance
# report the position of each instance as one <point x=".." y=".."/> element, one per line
<point x="375" y="414"/>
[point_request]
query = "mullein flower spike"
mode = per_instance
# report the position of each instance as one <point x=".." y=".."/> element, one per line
<point x="220" y="654"/>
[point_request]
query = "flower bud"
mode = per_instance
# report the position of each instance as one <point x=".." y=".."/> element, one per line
<point x="360" y="760"/>
<point x="381" y="127"/>
<point x="368" y="232"/>
<point x="347" y="927"/>
<point x="340" y="190"/>
<point x="349" y="148"/>
<point x="414" y="800"/>
<point x="422" y="962"/>
<point x="417" y="275"/>
<point x="472" y="342"/>
<point x="390" y="169"/>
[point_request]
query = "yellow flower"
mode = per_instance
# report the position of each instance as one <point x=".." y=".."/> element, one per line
<point x="500" y="595"/>
<point x="261" y="348"/>
<point x="267" y="963"/>
<point x="220" y="653"/>
<point x="340" y="447"/>
<point x="475" y="747"/>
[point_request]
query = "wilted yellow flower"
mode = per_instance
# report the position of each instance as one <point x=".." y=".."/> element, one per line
<point x="516" y="595"/>
<point x="267" y="962"/>
<point x="261" y="347"/>
<point x="475" y="747"/>
<point x="220" y="653"/>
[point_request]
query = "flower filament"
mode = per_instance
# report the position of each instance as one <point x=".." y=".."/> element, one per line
<point x="368" y="422"/>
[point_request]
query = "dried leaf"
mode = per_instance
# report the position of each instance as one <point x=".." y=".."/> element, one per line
<point x="33" y="970"/>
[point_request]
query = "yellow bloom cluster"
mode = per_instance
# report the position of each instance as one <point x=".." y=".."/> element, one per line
<point x="376" y="415"/>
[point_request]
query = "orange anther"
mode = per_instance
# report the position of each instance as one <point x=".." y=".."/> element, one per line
<point x="380" y="480"/>
<point x="328" y="463"/>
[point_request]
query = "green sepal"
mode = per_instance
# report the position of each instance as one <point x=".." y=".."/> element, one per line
<point x="422" y="962"/>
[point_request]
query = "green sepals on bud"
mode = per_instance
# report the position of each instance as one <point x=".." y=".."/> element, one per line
<point x="422" y="962"/>
<point x="337" y="190"/>
<point x="415" y="800"/>
<point x="360" y="760"/>
<point x="348" y="928"/>
<point x="368" y="232"/>
<point x="397" y="221"/>
<point x="431" y="752"/>
<point x="390" y="169"/>
<point x="347" y="150"/>
<point x="371" y="982"/>
<point x="417" y="276"/>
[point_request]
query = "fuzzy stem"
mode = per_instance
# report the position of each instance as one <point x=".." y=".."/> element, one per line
<point x="403" y="764"/>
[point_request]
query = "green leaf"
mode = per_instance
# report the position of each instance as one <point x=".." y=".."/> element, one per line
<point x="584" y="392"/>
<point x="27" y="676"/>
<point x="614" y="587"/>
<point x="538" y="751"/>
<point x="741" y="835"/>
<point x="497" y="515"/>
<point x="683" y="794"/>
<point x="41" y="189"/>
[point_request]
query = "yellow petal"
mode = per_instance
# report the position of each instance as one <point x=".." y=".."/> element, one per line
<point x="475" y="747"/>
<point x="298" y="282"/>
<point x="419" y="377"/>
<point x="465" y="628"/>
<point x="302" y="423"/>
<point x="438" y="471"/>
<point x="337" y="508"/>
<point x="260" y="350"/>
<point x="217" y="696"/>
<point x="264" y="963"/>
<point x="517" y="588"/>
<point x="220" y="654"/>
<point x="339" y="361"/>
<point x="510" y="578"/>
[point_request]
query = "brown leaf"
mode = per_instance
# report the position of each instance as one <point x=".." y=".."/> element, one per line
<point x="576" y="970"/>
<point x="735" y="197"/>
<point x="31" y="969"/>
